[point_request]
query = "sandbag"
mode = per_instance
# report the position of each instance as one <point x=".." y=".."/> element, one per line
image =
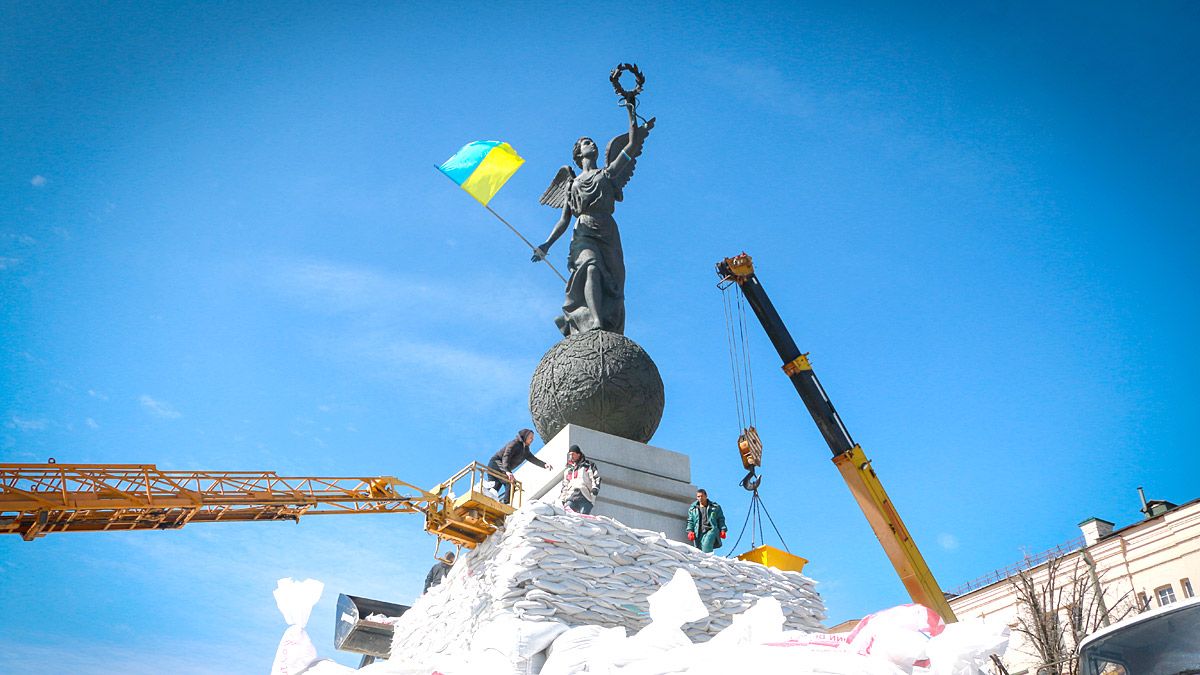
<point x="572" y="650"/>
<point x="295" y="600"/>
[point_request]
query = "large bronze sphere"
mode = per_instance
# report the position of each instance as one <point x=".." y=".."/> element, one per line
<point x="599" y="380"/>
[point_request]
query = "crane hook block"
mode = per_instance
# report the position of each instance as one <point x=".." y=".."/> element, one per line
<point x="750" y="448"/>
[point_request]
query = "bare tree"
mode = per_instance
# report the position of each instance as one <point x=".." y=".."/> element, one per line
<point x="1037" y="616"/>
<point x="1058" y="605"/>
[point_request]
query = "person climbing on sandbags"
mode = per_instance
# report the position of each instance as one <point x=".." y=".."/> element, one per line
<point x="581" y="482"/>
<point x="706" y="523"/>
<point x="513" y="454"/>
<point x="439" y="571"/>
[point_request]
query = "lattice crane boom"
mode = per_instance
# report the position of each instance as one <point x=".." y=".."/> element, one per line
<point x="39" y="499"/>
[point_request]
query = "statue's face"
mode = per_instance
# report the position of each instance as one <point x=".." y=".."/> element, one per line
<point x="587" y="148"/>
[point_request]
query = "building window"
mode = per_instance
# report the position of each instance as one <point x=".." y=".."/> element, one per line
<point x="1166" y="595"/>
<point x="1186" y="586"/>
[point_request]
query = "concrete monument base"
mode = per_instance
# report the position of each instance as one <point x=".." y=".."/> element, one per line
<point x="642" y="486"/>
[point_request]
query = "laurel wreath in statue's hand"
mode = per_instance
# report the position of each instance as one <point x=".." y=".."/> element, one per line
<point x="628" y="98"/>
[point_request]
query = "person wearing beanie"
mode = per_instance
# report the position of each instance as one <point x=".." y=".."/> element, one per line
<point x="581" y="482"/>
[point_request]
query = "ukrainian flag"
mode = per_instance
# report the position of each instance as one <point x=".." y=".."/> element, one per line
<point x="482" y="168"/>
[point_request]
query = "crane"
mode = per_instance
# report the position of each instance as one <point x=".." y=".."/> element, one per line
<point x="40" y="499"/>
<point x="848" y="456"/>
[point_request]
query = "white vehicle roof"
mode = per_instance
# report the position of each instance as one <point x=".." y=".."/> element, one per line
<point x="1138" y="618"/>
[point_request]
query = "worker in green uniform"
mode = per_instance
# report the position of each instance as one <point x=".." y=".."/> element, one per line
<point x="706" y="523"/>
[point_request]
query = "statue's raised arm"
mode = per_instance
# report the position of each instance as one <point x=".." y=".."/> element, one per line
<point x="622" y="152"/>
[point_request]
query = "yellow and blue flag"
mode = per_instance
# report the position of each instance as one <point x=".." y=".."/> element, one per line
<point x="482" y="168"/>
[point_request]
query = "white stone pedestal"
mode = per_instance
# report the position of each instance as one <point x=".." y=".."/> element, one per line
<point x="642" y="486"/>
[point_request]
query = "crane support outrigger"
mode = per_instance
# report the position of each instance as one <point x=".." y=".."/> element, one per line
<point x="848" y="456"/>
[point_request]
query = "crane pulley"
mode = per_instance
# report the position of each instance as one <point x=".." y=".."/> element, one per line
<point x="750" y="449"/>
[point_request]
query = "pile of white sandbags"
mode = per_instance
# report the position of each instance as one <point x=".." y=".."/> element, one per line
<point x="556" y="593"/>
<point x="549" y="565"/>
<point x="905" y="640"/>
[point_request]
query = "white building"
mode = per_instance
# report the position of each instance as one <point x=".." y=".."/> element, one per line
<point x="1151" y="563"/>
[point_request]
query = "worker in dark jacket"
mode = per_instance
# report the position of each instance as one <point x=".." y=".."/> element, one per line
<point x="439" y="571"/>
<point x="706" y="523"/>
<point x="512" y="455"/>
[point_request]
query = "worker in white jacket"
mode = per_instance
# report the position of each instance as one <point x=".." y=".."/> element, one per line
<point x="581" y="482"/>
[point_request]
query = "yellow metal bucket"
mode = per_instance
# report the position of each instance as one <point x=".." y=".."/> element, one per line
<point x="773" y="557"/>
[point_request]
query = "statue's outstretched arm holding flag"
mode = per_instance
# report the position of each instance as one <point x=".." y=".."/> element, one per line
<point x="481" y="168"/>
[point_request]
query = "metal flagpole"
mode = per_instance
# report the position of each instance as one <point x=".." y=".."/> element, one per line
<point x="531" y="246"/>
<point x="514" y="231"/>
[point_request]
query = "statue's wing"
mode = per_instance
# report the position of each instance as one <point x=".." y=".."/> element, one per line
<point x="635" y="149"/>
<point x="556" y="195"/>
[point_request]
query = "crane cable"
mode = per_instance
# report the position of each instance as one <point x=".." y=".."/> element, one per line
<point x="735" y="333"/>
<point x="749" y="445"/>
<point x="743" y="395"/>
<point x="756" y="531"/>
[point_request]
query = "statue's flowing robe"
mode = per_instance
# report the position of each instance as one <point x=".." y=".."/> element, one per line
<point x="595" y="244"/>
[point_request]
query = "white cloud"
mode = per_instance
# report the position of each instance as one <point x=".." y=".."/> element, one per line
<point x="24" y="424"/>
<point x="347" y="289"/>
<point x="22" y="239"/>
<point x="452" y="362"/>
<point x="158" y="408"/>
<point x="947" y="541"/>
<point x="336" y="288"/>
<point x="474" y="377"/>
<point x="9" y="263"/>
<point x="37" y="181"/>
<point x="97" y="394"/>
<point x="92" y="423"/>
<point x="399" y="327"/>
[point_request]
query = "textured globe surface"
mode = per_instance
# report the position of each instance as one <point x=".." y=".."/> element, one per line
<point x="599" y="380"/>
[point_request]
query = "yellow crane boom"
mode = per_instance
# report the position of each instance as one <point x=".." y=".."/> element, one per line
<point x="848" y="456"/>
<point x="39" y="499"/>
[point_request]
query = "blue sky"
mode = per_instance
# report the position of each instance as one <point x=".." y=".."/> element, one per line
<point x="223" y="246"/>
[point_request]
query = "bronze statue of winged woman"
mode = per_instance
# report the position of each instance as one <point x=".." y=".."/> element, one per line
<point x="595" y="298"/>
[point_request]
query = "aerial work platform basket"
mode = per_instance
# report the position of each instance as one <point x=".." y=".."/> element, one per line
<point x="466" y="510"/>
